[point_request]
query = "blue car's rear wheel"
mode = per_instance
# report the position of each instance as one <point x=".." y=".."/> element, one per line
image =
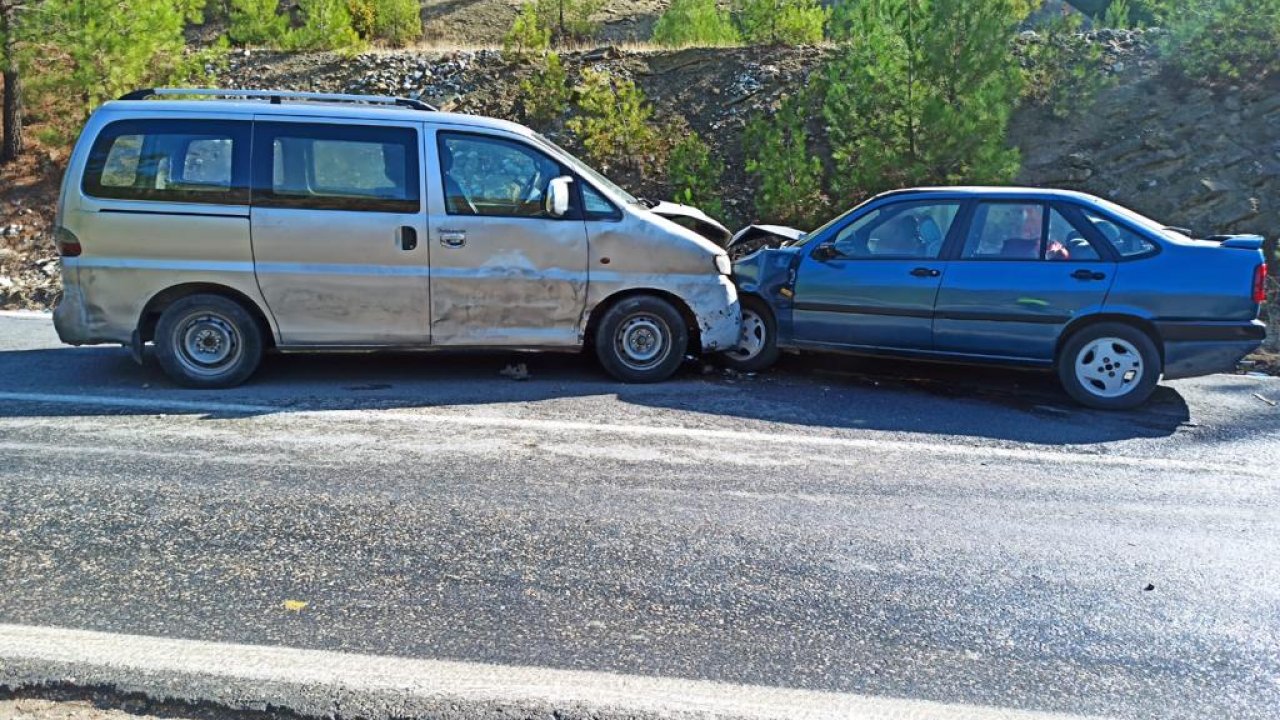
<point x="1109" y="366"/>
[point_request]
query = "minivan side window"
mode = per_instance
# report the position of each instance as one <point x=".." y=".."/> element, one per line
<point x="177" y="161"/>
<point x="362" y="168"/>
<point x="495" y="177"/>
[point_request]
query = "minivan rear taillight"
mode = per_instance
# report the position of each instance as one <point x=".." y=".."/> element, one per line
<point x="1260" y="283"/>
<point x="67" y="242"/>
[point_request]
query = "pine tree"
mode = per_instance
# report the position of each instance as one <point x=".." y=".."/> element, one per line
<point x="569" y="19"/>
<point x="527" y="37"/>
<point x="695" y="22"/>
<point x="922" y="92"/>
<point x="789" y="176"/>
<point x="326" y="25"/>
<point x="92" y="50"/>
<point x="781" y="22"/>
<point x="257" y="22"/>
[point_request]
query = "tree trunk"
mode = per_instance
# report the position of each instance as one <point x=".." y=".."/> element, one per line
<point x="12" y="121"/>
<point x="11" y="110"/>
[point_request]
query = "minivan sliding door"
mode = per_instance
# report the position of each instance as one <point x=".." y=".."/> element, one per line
<point x="339" y="224"/>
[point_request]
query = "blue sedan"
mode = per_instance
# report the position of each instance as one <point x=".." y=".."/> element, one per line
<point x="1107" y="298"/>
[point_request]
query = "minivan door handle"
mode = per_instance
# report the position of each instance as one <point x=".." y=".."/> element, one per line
<point x="453" y="238"/>
<point x="1088" y="275"/>
<point x="924" y="272"/>
<point x="408" y="238"/>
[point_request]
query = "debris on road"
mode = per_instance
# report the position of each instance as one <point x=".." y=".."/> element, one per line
<point x="517" y="372"/>
<point x="1266" y="400"/>
<point x="294" y="606"/>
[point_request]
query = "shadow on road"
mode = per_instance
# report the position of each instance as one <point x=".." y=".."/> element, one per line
<point x="813" y="391"/>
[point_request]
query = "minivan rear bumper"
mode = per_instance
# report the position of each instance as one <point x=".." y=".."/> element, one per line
<point x="1194" y="349"/>
<point x="78" y="324"/>
<point x="68" y="316"/>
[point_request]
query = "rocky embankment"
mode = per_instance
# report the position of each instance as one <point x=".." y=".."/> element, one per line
<point x="1208" y="159"/>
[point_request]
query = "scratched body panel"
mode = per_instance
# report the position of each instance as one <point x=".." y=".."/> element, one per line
<point x="646" y="252"/>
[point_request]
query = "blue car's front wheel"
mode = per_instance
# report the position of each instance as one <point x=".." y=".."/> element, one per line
<point x="757" y="347"/>
<point x="1109" y="366"/>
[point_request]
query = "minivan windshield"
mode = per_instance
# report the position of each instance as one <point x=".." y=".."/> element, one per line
<point x="585" y="169"/>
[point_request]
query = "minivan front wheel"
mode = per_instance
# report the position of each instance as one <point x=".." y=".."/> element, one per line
<point x="1109" y="366"/>
<point x="642" y="340"/>
<point x="208" y="341"/>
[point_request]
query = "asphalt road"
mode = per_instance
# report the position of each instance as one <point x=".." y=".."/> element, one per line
<point x="888" y="529"/>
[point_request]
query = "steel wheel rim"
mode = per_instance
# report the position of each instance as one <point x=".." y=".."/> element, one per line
<point x="1109" y="367"/>
<point x="754" y="336"/>
<point x="643" y="341"/>
<point x="207" y="344"/>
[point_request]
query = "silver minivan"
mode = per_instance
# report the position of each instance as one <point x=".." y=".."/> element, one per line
<point x="223" y="227"/>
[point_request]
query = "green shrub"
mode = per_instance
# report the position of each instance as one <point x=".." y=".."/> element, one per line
<point x="569" y="19"/>
<point x="399" y="22"/>
<point x="1065" y="70"/>
<point x="527" y="37"/>
<point x="546" y="94"/>
<point x="781" y="22"/>
<point x="326" y="25"/>
<point x="613" y="124"/>
<point x="789" y="178"/>
<point x="257" y="22"/>
<point x="363" y="14"/>
<point x="695" y="22"/>
<point x="922" y="93"/>
<point x="1225" y="40"/>
<point x="1119" y="15"/>
<point x="695" y="175"/>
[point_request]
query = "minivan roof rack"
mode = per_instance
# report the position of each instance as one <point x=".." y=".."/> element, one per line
<point x="275" y="97"/>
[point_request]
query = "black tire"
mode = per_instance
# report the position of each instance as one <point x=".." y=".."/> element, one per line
<point x="1104" y="366"/>
<point x="633" y="329"/>
<point x="208" y="341"/>
<point x="762" y="353"/>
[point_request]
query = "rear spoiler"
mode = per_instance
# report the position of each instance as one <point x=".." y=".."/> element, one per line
<point x="1239" y="242"/>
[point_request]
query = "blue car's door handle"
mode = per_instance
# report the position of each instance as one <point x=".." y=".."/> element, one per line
<point x="1088" y="275"/>
<point x="923" y="272"/>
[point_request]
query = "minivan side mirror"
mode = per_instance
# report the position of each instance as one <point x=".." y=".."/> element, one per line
<point x="557" y="201"/>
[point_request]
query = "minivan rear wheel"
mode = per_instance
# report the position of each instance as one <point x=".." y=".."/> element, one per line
<point x="1109" y="366"/>
<point x="208" y="341"/>
<point x="642" y="340"/>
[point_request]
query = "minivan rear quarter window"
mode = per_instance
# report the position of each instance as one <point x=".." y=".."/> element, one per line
<point x="178" y="161"/>
<point x="336" y="167"/>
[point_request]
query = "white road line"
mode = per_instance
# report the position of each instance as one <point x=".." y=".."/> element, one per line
<point x="26" y="314"/>
<point x="750" y="437"/>
<point x="314" y="681"/>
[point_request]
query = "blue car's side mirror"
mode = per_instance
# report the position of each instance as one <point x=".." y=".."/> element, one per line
<point x="825" y="252"/>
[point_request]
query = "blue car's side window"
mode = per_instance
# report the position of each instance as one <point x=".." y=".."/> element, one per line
<point x="1026" y="230"/>
<point x="899" y="231"/>
<point x="1125" y="241"/>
